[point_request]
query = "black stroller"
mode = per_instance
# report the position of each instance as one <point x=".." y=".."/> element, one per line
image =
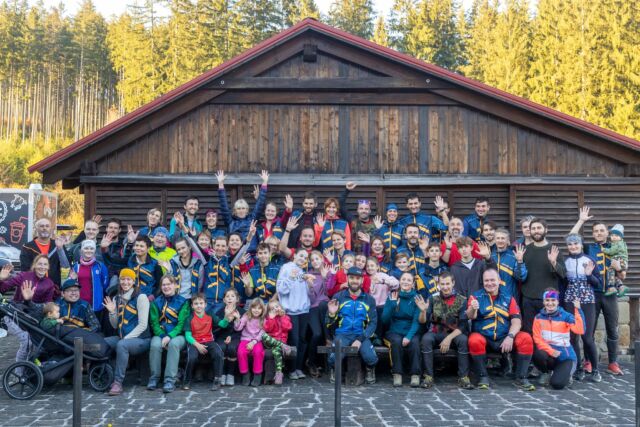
<point x="51" y="356"/>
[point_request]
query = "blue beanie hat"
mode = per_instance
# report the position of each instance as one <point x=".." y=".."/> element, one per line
<point x="392" y="207"/>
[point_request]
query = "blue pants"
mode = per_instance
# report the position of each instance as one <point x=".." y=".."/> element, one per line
<point x="367" y="352"/>
<point x="123" y="348"/>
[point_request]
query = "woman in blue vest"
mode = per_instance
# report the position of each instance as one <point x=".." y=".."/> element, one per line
<point x="167" y="315"/>
<point x="129" y="315"/>
<point x="328" y="223"/>
<point x="188" y="269"/>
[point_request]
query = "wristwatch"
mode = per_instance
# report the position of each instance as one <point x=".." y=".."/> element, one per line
<point x="510" y="335"/>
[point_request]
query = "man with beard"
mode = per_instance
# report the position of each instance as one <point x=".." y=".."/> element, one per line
<point x="545" y="267"/>
<point x="90" y="232"/>
<point x="351" y="314"/>
<point x="510" y="263"/>
<point x="306" y="238"/>
<point x="449" y="248"/>
<point x="605" y="304"/>
<point x="306" y="218"/>
<point x="474" y="222"/>
<point x="428" y="225"/>
<point x="390" y="230"/>
<point x="415" y="248"/>
<point x="43" y="245"/>
<point x="361" y="223"/>
<point x="489" y="234"/>
<point x="191" y="206"/>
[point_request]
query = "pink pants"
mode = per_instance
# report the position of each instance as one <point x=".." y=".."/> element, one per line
<point x="243" y="357"/>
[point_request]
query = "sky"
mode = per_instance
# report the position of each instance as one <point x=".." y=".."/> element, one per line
<point x="116" y="7"/>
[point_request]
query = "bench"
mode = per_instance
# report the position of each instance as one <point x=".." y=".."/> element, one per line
<point x="269" y="364"/>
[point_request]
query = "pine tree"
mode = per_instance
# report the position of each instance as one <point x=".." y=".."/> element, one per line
<point x="353" y="16"/>
<point x="300" y="10"/>
<point x="380" y="34"/>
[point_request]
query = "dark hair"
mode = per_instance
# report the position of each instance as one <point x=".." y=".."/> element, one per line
<point x="144" y="239"/>
<point x="446" y="275"/>
<point x="199" y="295"/>
<point x="181" y="240"/>
<point x="309" y="195"/>
<point x="433" y="245"/>
<point x="491" y="224"/>
<point x="173" y="279"/>
<point x="232" y="290"/>
<point x="411" y="225"/>
<point x="464" y="241"/>
<point x="412" y="195"/>
<point x="331" y="200"/>
<point x="115" y="220"/>
<point x="599" y="223"/>
<point x="234" y="234"/>
<point x="539" y="221"/>
<point x="481" y="199"/>
<point x="191" y="198"/>
<point x="263" y="247"/>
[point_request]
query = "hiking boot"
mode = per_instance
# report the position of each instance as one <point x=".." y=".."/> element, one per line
<point x="231" y="380"/>
<point x="534" y="372"/>
<point x="415" y="381"/>
<point x="578" y="375"/>
<point x="524" y="384"/>
<point x="544" y="379"/>
<point x="614" y="369"/>
<point x="257" y="380"/>
<point x="427" y="381"/>
<point x="186" y="385"/>
<point x="586" y="366"/>
<point x="595" y="377"/>
<point x="397" y="380"/>
<point x="370" y="376"/>
<point x="116" y="389"/>
<point x="152" y="384"/>
<point x="465" y="383"/>
<point x="483" y="383"/>
<point x="277" y="378"/>
<point x="314" y="371"/>
<point x="168" y="387"/>
<point x="332" y="376"/>
<point x="246" y="379"/>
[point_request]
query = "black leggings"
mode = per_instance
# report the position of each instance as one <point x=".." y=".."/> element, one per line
<point x="297" y="336"/>
<point x="588" y="340"/>
<point x="318" y="331"/>
<point x="608" y="306"/>
<point x="562" y="370"/>
<point x="230" y="352"/>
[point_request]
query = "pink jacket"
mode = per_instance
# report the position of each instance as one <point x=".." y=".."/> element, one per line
<point x="381" y="284"/>
<point x="251" y="328"/>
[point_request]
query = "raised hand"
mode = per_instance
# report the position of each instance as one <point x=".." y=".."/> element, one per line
<point x="439" y="203"/>
<point x="351" y="185"/>
<point x="329" y="254"/>
<point x="393" y="296"/>
<point x="179" y="218"/>
<point x="422" y="304"/>
<point x="324" y="271"/>
<point x="320" y="219"/>
<point x="292" y="224"/>
<point x="519" y="252"/>
<point x="256" y="191"/>
<point x="288" y="202"/>
<point x="109" y="304"/>
<point x="131" y="234"/>
<point x="484" y="250"/>
<point x="377" y="221"/>
<point x="264" y="175"/>
<point x="246" y="279"/>
<point x="60" y="241"/>
<point x="552" y="255"/>
<point x="364" y="237"/>
<point x="73" y="275"/>
<point x="252" y="230"/>
<point x="424" y="244"/>
<point x="584" y="214"/>
<point x="6" y="271"/>
<point x="333" y="306"/>
<point x="220" y="176"/>
<point x="107" y="240"/>
<point x="97" y="219"/>
<point x="244" y="259"/>
<point x="589" y="266"/>
<point x="27" y="290"/>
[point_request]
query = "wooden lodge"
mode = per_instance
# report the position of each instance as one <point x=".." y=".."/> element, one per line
<point x="317" y="107"/>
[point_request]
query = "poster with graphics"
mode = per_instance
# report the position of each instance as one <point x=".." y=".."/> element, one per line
<point x="14" y="219"/>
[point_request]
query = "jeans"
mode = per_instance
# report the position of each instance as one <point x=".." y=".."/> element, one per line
<point x="608" y="305"/>
<point x="124" y="348"/>
<point x="173" y="357"/>
<point x="367" y="352"/>
<point x="398" y="351"/>
<point x="23" y="336"/>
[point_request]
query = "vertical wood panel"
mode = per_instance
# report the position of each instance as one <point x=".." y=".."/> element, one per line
<point x="434" y="142"/>
<point x="423" y="139"/>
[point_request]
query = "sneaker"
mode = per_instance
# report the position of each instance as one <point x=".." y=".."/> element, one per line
<point x="415" y="381"/>
<point x="544" y="379"/>
<point x="427" y="381"/>
<point x="116" y="389"/>
<point x="168" y="387"/>
<point x="152" y="384"/>
<point x="579" y="375"/>
<point x="286" y="349"/>
<point x="293" y="375"/>
<point x="587" y="367"/>
<point x="223" y="380"/>
<point x="622" y="291"/>
<point x="465" y="383"/>
<point x="614" y="369"/>
<point x="186" y="385"/>
<point x="332" y="376"/>
<point x="483" y="383"/>
<point x="397" y="380"/>
<point x="301" y="374"/>
<point x="524" y="384"/>
<point x="215" y="385"/>
<point x="595" y="377"/>
<point x="231" y="380"/>
<point x="278" y="377"/>
<point x="534" y="372"/>
<point x="610" y="291"/>
<point x="370" y="376"/>
<point x="570" y="382"/>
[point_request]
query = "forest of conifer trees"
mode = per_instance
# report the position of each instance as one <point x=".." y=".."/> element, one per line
<point x="64" y="75"/>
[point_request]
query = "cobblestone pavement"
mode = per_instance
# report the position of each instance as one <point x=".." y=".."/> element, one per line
<point x="310" y="402"/>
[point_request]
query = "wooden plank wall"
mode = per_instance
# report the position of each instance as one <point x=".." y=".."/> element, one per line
<point x="351" y="139"/>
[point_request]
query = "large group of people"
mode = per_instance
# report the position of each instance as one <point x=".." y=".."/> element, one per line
<point x="231" y="284"/>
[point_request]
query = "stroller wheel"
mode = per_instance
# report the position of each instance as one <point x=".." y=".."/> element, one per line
<point x="101" y="376"/>
<point x="22" y="380"/>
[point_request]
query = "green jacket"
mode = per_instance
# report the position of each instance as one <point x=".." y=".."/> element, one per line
<point x="402" y="316"/>
<point x="178" y="329"/>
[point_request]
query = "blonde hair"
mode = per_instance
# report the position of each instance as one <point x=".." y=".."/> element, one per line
<point x="257" y="302"/>
<point x="240" y="203"/>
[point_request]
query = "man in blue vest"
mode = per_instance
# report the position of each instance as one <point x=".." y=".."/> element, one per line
<point x="430" y="226"/>
<point x="473" y="223"/>
<point x="74" y="311"/>
<point x="495" y="326"/>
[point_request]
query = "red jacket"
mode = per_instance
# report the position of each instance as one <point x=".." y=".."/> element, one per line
<point x="341" y="278"/>
<point x="278" y="327"/>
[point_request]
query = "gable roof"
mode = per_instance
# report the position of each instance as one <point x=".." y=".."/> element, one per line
<point x="312" y="24"/>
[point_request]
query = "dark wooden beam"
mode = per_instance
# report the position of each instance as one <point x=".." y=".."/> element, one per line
<point x="331" y="97"/>
<point x="632" y="170"/>
<point x="310" y="53"/>
<point x="386" y="180"/>
<point x="305" y="84"/>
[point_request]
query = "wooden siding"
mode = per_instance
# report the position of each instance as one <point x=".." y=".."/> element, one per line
<point x="326" y="66"/>
<point x="354" y="139"/>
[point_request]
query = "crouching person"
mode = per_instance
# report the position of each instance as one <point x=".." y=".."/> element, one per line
<point x="129" y="316"/>
<point x="447" y="317"/>
<point x="168" y="314"/>
<point x="400" y="315"/>
<point x="352" y="315"/>
<point x="552" y="329"/>
<point x="496" y="324"/>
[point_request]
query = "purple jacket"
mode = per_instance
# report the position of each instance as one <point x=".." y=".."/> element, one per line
<point x="44" y="288"/>
<point x="318" y="293"/>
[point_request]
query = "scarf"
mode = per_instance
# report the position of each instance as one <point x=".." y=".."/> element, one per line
<point x="88" y="262"/>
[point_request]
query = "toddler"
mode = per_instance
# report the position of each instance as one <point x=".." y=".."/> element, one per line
<point x="618" y="251"/>
<point x="277" y="326"/>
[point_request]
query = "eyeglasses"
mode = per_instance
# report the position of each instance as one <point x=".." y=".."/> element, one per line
<point x="364" y="202"/>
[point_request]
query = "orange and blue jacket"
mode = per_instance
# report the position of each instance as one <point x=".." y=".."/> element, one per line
<point x="552" y="331"/>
